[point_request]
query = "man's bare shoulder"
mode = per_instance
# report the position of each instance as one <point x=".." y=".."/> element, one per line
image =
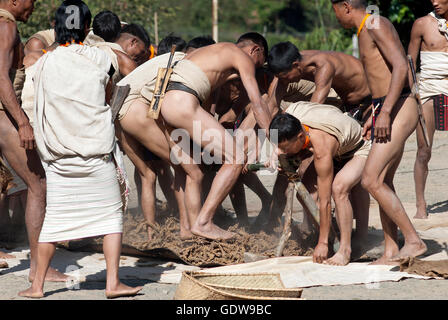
<point x="423" y="23"/>
<point x="8" y="30"/>
<point x="34" y="44"/>
<point x="127" y="65"/>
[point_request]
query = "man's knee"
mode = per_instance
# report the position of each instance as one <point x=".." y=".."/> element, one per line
<point x="424" y="155"/>
<point x="369" y="182"/>
<point x="195" y="174"/>
<point x="340" y="190"/>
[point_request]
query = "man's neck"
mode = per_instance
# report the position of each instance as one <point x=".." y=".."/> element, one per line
<point x="5" y="6"/>
<point x="358" y="17"/>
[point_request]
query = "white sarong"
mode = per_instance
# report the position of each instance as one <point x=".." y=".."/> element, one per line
<point x="83" y="199"/>
<point x="434" y="74"/>
<point x="75" y="138"/>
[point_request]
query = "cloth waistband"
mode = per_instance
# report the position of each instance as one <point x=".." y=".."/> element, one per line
<point x="381" y="100"/>
<point x="181" y="87"/>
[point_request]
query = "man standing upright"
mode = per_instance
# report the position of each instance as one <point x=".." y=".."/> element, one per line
<point x="394" y="120"/>
<point x="16" y="134"/>
<point x="429" y="37"/>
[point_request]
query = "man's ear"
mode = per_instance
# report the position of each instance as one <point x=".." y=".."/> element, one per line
<point x="296" y="65"/>
<point x="347" y="7"/>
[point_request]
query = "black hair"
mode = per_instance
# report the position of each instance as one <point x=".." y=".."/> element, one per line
<point x="107" y="25"/>
<point x="282" y="56"/>
<point x="287" y="126"/>
<point x="200" y="42"/>
<point x="70" y="23"/>
<point x="355" y="3"/>
<point x="166" y="43"/>
<point x="256" y="38"/>
<point x="137" y="31"/>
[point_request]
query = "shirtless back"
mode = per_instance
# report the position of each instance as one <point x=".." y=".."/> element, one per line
<point x="386" y="69"/>
<point x="326" y="69"/>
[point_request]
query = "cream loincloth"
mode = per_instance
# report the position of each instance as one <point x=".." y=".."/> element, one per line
<point x="190" y="75"/>
<point x="331" y="120"/>
<point x="143" y="79"/>
<point x="83" y="199"/>
<point x="303" y="91"/>
<point x="434" y="74"/>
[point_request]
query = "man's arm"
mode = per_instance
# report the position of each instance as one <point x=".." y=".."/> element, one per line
<point x="325" y="146"/>
<point x="323" y="79"/>
<point x="7" y="94"/>
<point x="388" y="42"/>
<point x="416" y="42"/>
<point x="246" y="69"/>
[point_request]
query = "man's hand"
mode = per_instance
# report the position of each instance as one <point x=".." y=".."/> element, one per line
<point x="383" y="127"/>
<point x="26" y="135"/>
<point x="320" y="253"/>
<point x="367" y="129"/>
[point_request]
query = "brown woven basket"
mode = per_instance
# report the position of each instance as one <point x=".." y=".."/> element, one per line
<point x="256" y="286"/>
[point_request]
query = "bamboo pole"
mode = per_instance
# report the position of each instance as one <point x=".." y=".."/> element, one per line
<point x="156" y="28"/>
<point x="215" y="7"/>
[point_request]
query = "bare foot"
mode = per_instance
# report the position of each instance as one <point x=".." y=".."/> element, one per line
<point x="410" y="250"/>
<point x="5" y="256"/>
<point x="186" y="234"/>
<point x="122" y="290"/>
<point x="4" y="265"/>
<point x="30" y="293"/>
<point x="384" y="260"/>
<point x="341" y="258"/>
<point x="52" y="276"/>
<point x="212" y="232"/>
<point x="421" y="214"/>
<point x="150" y="233"/>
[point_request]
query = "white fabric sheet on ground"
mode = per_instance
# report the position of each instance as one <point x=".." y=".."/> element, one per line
<point x="301" y="272"/>
<point x="91" y="267"/>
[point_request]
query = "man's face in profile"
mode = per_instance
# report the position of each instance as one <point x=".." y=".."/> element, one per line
<point x="26" y="7"/>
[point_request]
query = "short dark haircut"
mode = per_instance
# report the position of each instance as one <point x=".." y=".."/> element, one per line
<point x="355" y="3"/>
<point x="200" y="42"/>
<point x="256" y="38"/>
<point x="65" y="32"/>
<point x="170" y="40"/>
<point x="137" y="31"/>
<point x="107" y="25"/>
<point x="282" y="56"/>
<point x="287" y="126"/>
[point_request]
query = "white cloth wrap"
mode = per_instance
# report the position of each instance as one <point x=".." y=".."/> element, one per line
<point x="434" y="74"/>
<point x="71" y="116"/>
<point x="75" y="138"/>
<point x="83" y="199"/>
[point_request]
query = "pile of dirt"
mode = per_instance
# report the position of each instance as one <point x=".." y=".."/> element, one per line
<point x="166" y="242"/>
<point x="204" y="252"/>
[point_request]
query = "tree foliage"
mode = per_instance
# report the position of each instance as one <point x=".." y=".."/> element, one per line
<point x="310" y="24"/>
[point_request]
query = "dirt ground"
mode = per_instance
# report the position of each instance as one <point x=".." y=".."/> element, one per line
<point x="437" y="198"/>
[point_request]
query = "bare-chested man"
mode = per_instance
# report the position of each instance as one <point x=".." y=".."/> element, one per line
<point x="16" y="134"/>
<point x="337" y="70"/>
<point x="193" y="79"/>
<point x="386" y="67"/>
<point x="156" y="156"/>
<point x="429" y="37"/>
